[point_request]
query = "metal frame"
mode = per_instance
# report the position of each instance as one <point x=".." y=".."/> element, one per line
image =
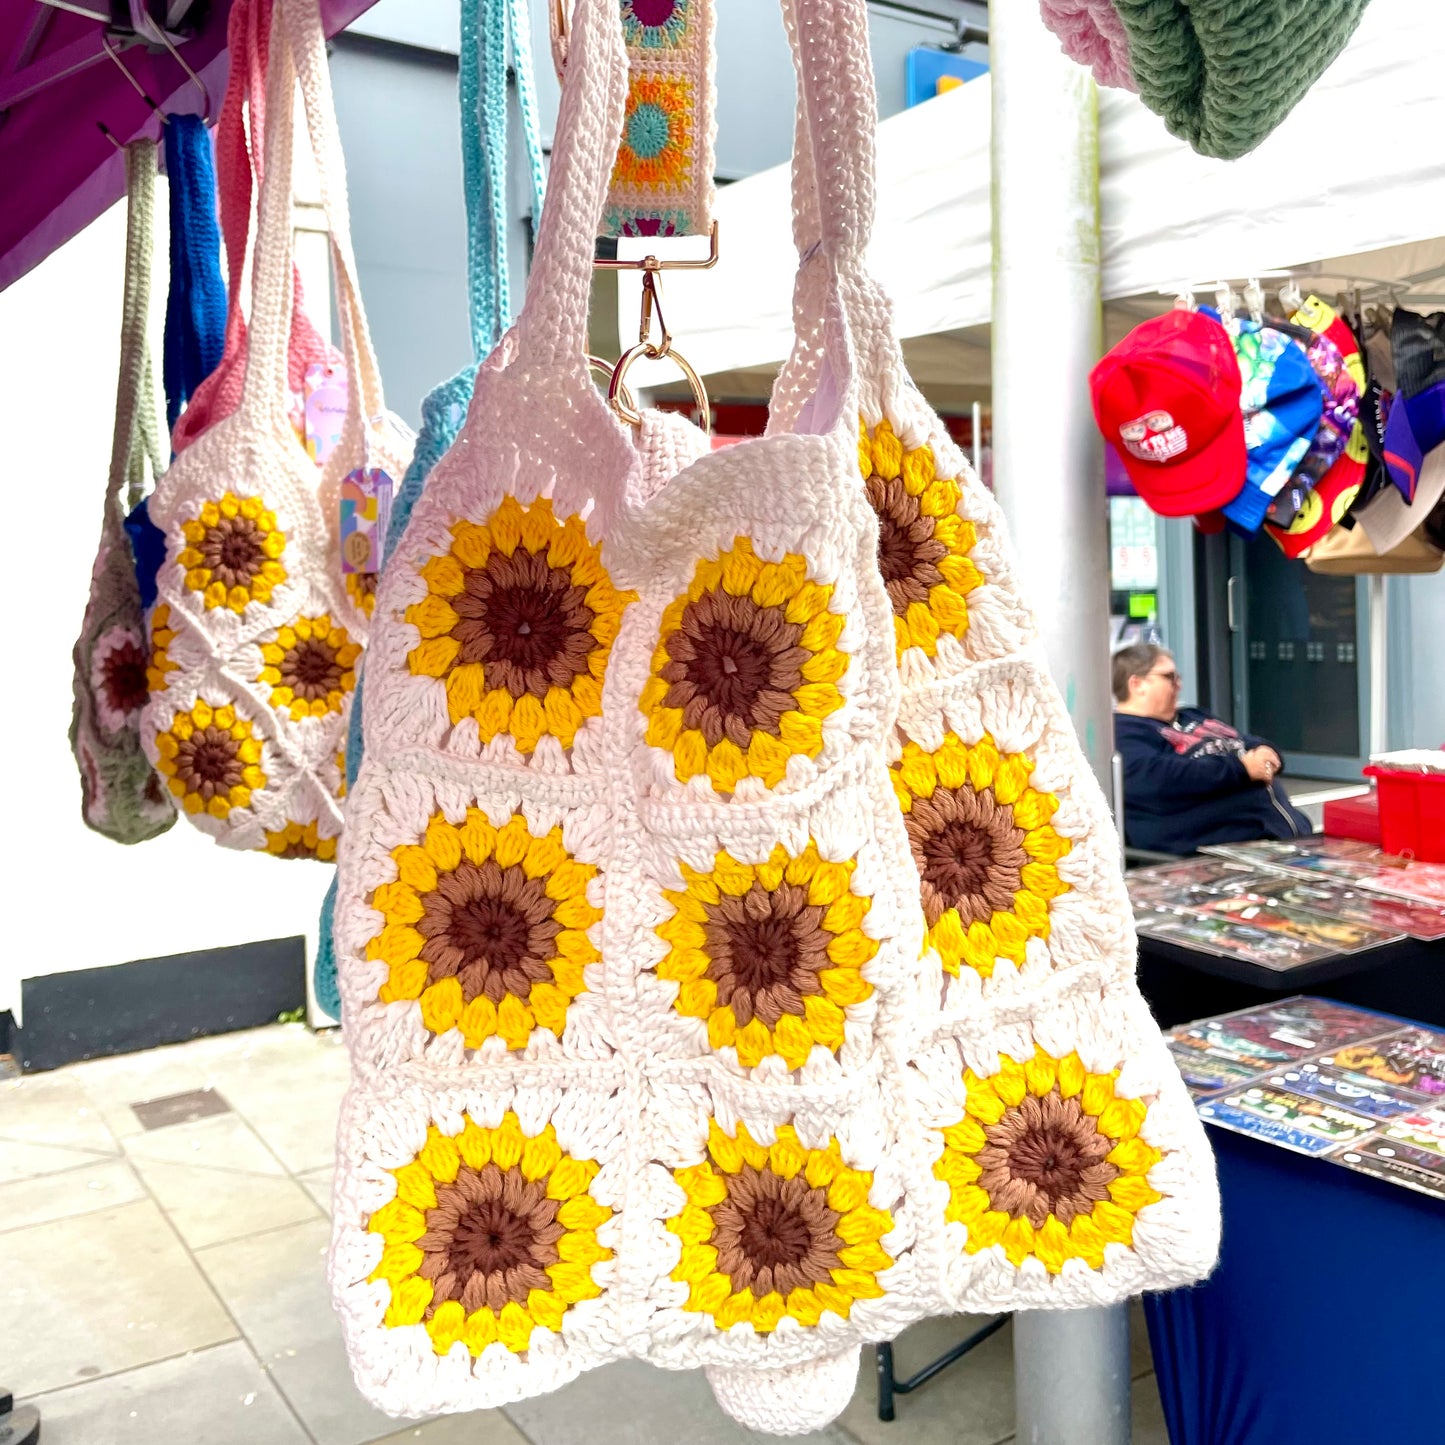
<point x="889" y="1385"/>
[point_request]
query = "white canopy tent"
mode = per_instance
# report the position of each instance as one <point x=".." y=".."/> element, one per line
<point x="1359" y="167"/>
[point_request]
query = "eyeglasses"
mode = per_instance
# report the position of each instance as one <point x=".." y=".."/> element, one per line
<point x="1171" y="677"/>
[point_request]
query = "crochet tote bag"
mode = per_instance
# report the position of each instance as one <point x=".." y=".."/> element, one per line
<point x="121" y="796"/>
<point x="256" y="662"/>
<point x="649" y="1055"/>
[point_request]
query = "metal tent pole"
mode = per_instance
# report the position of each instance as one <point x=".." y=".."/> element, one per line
<point x="1071" y="1367"/>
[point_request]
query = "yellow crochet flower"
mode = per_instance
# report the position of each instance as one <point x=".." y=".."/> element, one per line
<point x="774" y="1231"/>
<point x="298" y="840"/>
<point x="519" y="619"/>
<point x="361" y="589"/>
<point x="770" y="955"/>
<point x="923" y="544"/>
<point x="492" y="1234"/>
<point x="232" y="551"/>
<point x="986" y="853"/>
<point x="746" y="669"/>
<point x="211" y="760"/>
<point x="310" y="667"/>
<point x="162" y="635"/>
<point x="341" y="788"/>
<point x="487" y="927"/>
<point x="1047" y="1161"/>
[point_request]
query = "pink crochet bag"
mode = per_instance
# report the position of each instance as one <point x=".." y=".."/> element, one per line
<point x="239" y="159"/>
<point x="256" y="639"/>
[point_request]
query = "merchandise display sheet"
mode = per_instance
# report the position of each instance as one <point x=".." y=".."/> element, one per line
<point x="1360" y="1089"/>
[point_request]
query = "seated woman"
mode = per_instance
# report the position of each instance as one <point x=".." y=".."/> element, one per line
<point x="1189" y="778"/>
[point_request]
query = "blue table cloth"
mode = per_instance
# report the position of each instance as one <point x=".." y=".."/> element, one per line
<point x="1325" y="1321"/>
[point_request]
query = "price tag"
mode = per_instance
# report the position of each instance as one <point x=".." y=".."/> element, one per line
<point x="365" y="515"/>
<point x="324" y="410"/>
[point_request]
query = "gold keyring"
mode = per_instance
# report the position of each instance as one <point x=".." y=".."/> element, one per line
<point x="621" y="400"/>
<point x="605" y="368"/>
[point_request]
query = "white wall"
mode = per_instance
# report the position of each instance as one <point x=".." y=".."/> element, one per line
<point x="73" y="899"/>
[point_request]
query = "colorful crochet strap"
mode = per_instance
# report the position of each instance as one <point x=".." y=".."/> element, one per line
<point x="662" y="184"/>
<point x="196" y="304"/>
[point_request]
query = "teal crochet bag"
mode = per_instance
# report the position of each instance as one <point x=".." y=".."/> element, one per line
<point x="489" y="28"/>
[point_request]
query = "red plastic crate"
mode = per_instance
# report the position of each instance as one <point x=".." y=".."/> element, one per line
<point x="1357" y="818"/>
<point x="1412" y="813"/>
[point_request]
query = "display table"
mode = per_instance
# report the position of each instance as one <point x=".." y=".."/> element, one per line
<point x="1322" y="1324"/>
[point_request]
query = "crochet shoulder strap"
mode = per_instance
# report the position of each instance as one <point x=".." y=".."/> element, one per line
<point x="196" y="303"/>
<point x="273" y="289"/>
<point x="240" y="157"/>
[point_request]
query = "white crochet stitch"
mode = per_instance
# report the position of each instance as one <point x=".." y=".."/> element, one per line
<point x="734" y="961"/>
<point x="254" y="637"/>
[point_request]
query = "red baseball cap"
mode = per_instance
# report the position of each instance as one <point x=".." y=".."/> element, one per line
<point x="1167" y="396"/>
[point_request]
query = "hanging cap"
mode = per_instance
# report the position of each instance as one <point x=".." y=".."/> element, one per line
<point x="1168" y="397"/>
<point x="1281" y="403"/>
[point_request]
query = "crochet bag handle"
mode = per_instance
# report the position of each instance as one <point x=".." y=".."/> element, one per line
<point x="298" y="50"/>
<point x="240" y="166"/>
<point x="818" y="228"/>
<point x="136" y="438"/>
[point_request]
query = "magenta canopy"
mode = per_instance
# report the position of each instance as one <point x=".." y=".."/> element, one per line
<point x="58" y="172"/>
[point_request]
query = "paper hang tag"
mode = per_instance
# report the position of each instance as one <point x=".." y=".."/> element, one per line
<point x="324" y="409"/>
<point x="366" y="496"/>
<point x="662" y="184"/>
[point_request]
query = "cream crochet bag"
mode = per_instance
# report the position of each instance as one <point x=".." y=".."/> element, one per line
<point x="654" y="1051"/>
<point x="254" y="635"/>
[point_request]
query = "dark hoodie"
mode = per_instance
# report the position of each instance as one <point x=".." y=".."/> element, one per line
<point x="1185" y="785"/>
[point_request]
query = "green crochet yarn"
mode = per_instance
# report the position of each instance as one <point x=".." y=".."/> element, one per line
<point x="1224" y="73"/>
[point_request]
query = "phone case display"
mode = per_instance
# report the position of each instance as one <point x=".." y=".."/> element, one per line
<point x="1356" y="1088"/>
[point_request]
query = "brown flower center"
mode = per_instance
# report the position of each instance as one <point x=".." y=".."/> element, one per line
<point x="208" y="762"/>
<point x="908" y="551"/>
<point x="126" y="689"/>
<point x="234" y="551"/>
<point x="312" y="669"/>
<point x="490" y="1239"/>
<point x="525" y="622"/>
<point x="765" y="951"/>
<point x="733" y="667"/>
<point x="969" y="853"/>
<point x="1046" y="1156"/>
<point x="491" y="928"/>
<point x="773" y="1233"/>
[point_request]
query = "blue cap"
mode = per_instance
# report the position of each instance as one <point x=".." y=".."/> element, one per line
<point x="1282" y="405"/>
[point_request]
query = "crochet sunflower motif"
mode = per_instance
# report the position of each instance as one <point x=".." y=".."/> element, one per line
<point x="310" y="667"/>
<point x="211" y="760"/>
<point x="746" y="670"/>
<point x="487" y="927"/>
<point x="984" y="847"/>
<point x="300" y="840"/>
<point x="232" y="551"/>
<point x="1047" y="1161"/>
<point x="656" y="151"/>
<point x="518" y="620"/>
<point x="118" y="677"/>
<point x="923" y="544"/>
<point x="492" y="1235"/>
<point x="770" y="955"/>
<point x="162" y="635"/>
<point x="361" y="589"/>
<point x="775" y="1231"/>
